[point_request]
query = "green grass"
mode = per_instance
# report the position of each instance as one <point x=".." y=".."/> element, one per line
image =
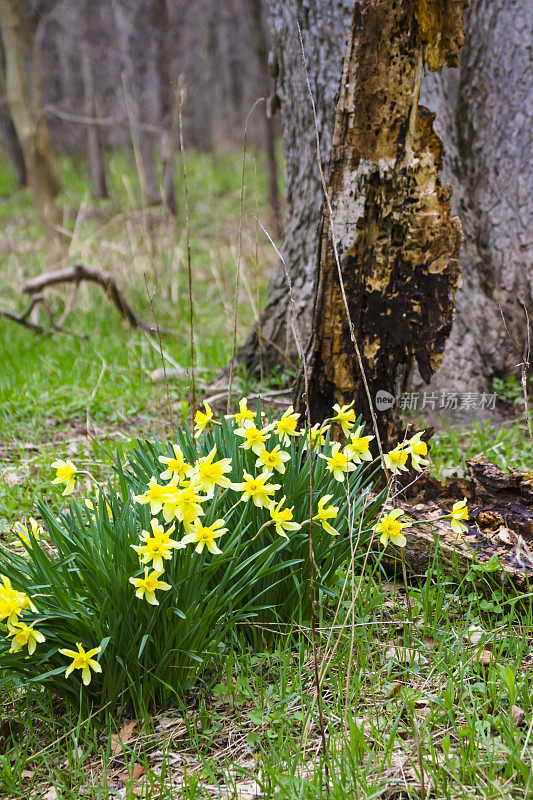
<point x="507" y="445"/>
<point x="391" y="715"/>
<point x="400" y="700"/>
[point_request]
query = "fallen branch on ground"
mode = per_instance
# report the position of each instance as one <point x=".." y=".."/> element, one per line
<point x="22" y="319"/>
<point x="78" y="273"/>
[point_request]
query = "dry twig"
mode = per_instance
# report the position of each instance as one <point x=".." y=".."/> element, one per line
<point x="76" y="274"/>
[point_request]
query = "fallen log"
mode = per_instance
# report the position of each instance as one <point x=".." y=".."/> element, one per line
<point x="500" y="524"/>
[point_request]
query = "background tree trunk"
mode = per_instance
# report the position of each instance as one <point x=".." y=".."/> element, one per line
<point x="129" y="23"/>
<point x="25" y="108"/>
<point x="485" y="119"/>
<point x="167" y="102"/>
<point x="95" y="152"/>
<point x="11" y="145"/>
<point x="389" y="216"/>
<point x="258" y="22"/>
<point x="323" y="25"/>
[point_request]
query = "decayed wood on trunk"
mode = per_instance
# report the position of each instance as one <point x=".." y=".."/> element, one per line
<point x="485" y="119"/>
<point x="95" y="150"/>
<point x="25" y="108"/>
<point x="397" y="242"/>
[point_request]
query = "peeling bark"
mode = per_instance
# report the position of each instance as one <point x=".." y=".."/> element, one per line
<point x="397" y="242"/>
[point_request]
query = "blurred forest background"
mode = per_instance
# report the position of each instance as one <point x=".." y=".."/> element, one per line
<point x="117" y="62"/>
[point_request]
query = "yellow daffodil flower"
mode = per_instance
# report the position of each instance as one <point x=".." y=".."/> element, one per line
<point x="157" y="495"/>
<point x="82" y="660"/>
<point x="395" y="460"/>
<point x="285" y="427"/>
<point x="12" y="602"/>
<point x="391" y="528"/>
<point x="208" y="473"/>
<point x="345" y="415"/>
<point x="244" y="414"/>
<point x="26" y="534"/>
<point x="273" y="459"/>
<point x="90" y="505"/>
<point x="256" y="489"/>
<point x="417" y="449"/>
<point x="316" y="435"/>
<point x="184" y="505"/>
<point x="145" y="588"/>
<point x="202" y="419"/>
<point x="254" y="439"/>
<point x="358" y="447"/>
<point x="338" y="463"/>
<point x="24" y="635"/>
<point x="205" y="535"/>
<point x="459" y="511"/>
<point x="156" y="547"/>
<point x="65" y="473"/>
<point x="325" y="513"/>
<point x="175" y="466"/>
<point x="282" y="519"/>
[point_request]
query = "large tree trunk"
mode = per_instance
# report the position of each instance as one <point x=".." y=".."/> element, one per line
<point x="484" y="115"/>
<point x="485" y="119"/>
<point x="323" y="26"/>
<point x="387" y="226"/>
<point x="25" y="107"/>
<point x="95" y="151"/>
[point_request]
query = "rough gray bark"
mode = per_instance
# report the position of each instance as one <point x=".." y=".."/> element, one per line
<point x="324" y="27"/>
<point x="485" y="119"/>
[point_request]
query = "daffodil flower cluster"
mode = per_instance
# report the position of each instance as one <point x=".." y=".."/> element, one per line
<point x="180" y="496"/>
<point x="396" y="459"/>
<point x="13" y="604"/>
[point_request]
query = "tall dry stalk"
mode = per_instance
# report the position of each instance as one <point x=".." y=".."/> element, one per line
<point x="192" y="384"/>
